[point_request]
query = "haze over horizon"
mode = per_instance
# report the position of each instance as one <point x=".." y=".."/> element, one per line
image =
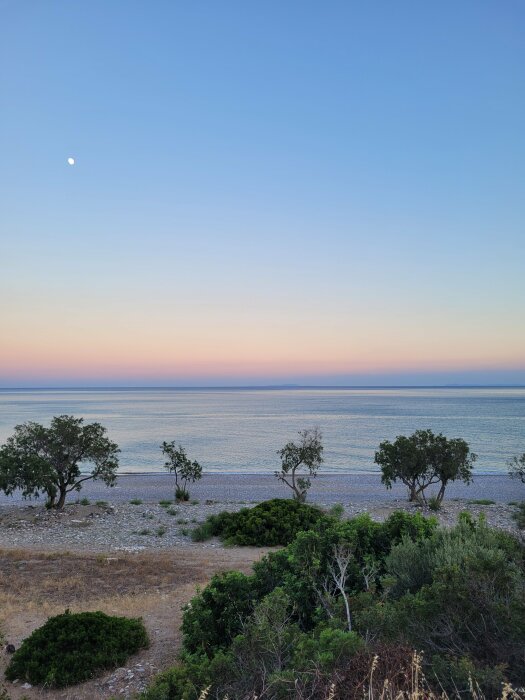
<point x="262" y="194"/>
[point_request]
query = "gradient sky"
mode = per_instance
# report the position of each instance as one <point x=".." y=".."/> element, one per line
<point x="264" y="192"/>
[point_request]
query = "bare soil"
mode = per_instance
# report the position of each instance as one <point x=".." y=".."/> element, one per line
<point x="155" y="585"/>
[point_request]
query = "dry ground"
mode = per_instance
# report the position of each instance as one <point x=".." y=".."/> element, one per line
<point x="35" y="585"/>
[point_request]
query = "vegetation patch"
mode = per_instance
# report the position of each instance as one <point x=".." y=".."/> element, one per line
<point x="349" y="599"/>
<point x="519" y="515"/>
<point x="270" y="523"/>
<point x="72" y="648"/>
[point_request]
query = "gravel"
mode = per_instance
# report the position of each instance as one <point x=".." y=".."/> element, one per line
<point x="123" y="527"/>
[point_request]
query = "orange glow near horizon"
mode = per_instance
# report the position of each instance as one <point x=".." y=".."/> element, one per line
<point x="235" y="350"/>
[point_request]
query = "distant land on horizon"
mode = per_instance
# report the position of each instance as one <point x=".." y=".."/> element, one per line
<point x="265" y="387"/>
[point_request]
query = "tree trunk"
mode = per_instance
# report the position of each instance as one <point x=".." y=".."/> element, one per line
<point x="61" y="499"/>
<point x="441" y="492"/>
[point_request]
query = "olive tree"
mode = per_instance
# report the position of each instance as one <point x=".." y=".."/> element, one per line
<point x="47" y="460"/>
<point x="423" y="459"/>
<point x="306" y="454"/>
<point x="182" y="467"/>
<point x="517" y="468"/>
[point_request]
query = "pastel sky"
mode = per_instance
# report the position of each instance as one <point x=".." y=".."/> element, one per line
<point x="264" y="192"/>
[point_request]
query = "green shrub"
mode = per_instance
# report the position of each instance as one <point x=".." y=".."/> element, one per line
<point x="434" y="503"/>
<point x="203" y="532"/>
<point x="459" y="594"/>
<point x="482" y="502"/>
<point x="165" y="503"/>
<point x="215" y="616"/>
<point x="136" y="501"/>
<point x="269" y="523"/>
<point x="337" y="511"/>
<point x="456" y="594"/>
<point x="72" y="648"/>
<point x="457" y="676"/>
<point x="181" y="494"/>
<point x="519" y="515"/>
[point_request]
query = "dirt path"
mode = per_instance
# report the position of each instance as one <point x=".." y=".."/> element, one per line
<point x="35" y="585"/>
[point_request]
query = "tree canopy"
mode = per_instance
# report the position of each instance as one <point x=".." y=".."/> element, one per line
<point x="47" y="460"/>
<point x="517" y="468"/>
<point x="423" y="459"/>
<point x="184" y="470"/>
<point x="295" y="456"/>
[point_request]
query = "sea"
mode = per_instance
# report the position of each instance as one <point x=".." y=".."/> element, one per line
<point x="241" y="430"/>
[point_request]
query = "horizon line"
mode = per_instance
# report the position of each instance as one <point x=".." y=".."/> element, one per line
<point x="271" y="386"/>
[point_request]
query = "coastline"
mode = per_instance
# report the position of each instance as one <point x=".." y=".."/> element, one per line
<point x="228" y="487"/>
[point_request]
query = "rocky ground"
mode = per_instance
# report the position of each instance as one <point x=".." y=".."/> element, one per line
<point x="139" y="527"/>
<point x="136" y="558"/>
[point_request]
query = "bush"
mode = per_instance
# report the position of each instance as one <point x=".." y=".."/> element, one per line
<point x="181" y="494"/>
<point x="458" y="595"/>
<point x="270" y="523"/>
<point x="434" y="503"/>
<point x="72" y="648"/>
<point x="282" y="632"/>
<point x="215" y="616"/>
<point x="519" y="515"/>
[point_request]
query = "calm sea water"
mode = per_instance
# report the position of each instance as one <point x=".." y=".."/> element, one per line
<point x="239" y="430"/>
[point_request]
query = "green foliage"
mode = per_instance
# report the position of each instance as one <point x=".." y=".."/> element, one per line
<point x="434" y="503"/>
<point x="305" y="454"/>
<point x="72" y="648"/>
<point x="459" y="593"/>
<point x="282" y="632"/>
<point x="267" y="524"/>
<point x="136" y="501"/>
<point x="165" y="504"/>
<point x="214" y="617"/>
<point x="40" y="460"/>
<point x="519" y="515"/>
<point x="181" y="494"/>
<point x="457" y="676"/>
<point x="304" y="565"/>
<point x="204" y="531"/>
<point x="517" y="468"/>
<point x="185" y="471"/>
<point x="84" y="501"/>
<point x="423" y="459"/>
<point x="482" y="502"/>
<point x="337" y="511"/>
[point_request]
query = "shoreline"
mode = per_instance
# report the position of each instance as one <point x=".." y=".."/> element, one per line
<point x="228" y="487"/>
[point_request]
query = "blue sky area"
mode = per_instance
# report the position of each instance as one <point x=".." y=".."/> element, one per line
<point x="263" y="192"/>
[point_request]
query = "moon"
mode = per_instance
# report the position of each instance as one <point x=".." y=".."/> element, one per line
<point x="71" y="161"/>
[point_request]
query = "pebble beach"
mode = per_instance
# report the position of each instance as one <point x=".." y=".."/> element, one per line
<point x="129" y="517"/>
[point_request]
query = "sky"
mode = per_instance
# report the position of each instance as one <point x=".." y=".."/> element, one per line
<point x="263" y="192"/>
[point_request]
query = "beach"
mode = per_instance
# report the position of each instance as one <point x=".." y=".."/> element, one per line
<point x="351" y="488"/>
<point x="121" y="551"/>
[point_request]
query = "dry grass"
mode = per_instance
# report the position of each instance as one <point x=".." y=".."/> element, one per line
<point x="405" y="683"/>
<point x="154" y="586"/>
